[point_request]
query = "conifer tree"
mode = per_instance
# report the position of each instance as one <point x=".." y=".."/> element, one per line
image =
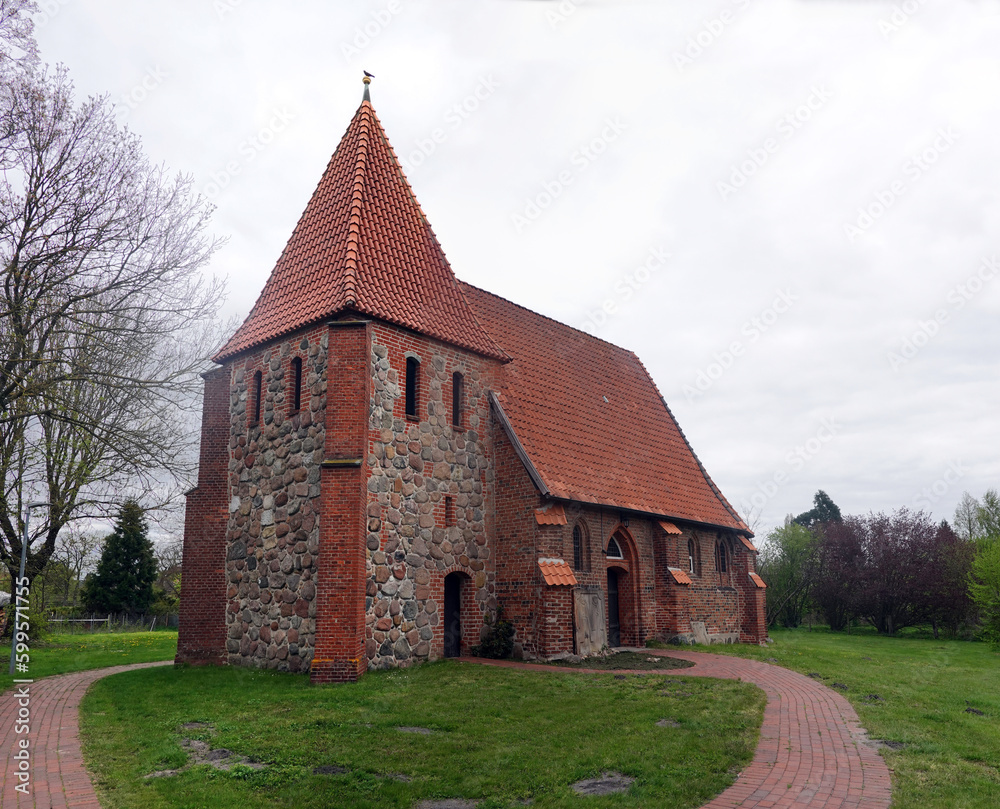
<point x="125" y="575"/>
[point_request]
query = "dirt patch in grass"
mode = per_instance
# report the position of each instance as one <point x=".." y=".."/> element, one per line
<point x="626" y="660"/>
<point x="609" y="783"/>
<point x="201" y="752"/>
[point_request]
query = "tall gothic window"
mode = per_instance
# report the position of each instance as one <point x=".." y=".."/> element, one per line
<point x="412" y="386"/>
<point x="296" y="392"/>
<point x="691" y="558"/>
<point x="258" y="383"/>
<point x="457" y="393"/>
<point x="720" y="556"/>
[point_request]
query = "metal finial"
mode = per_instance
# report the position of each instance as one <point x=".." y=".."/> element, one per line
<point x="367" y="80"/>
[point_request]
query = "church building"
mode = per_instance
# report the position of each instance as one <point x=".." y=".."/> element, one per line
<point x="389" y="453"/>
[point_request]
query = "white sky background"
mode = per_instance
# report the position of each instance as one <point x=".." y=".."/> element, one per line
<point x="879" y="365"/>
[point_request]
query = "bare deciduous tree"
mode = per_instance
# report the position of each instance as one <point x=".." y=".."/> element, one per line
<point x="105" y="316"/>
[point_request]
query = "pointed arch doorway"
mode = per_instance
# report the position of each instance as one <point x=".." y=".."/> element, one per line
<point x="622" y="594"/>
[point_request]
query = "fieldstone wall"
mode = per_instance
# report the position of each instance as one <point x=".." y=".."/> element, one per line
<point x="427" y="500"/>
<point x="273" y="529"/>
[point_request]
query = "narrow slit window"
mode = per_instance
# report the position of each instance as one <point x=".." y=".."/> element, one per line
<point x="691" y="569"/>
<point x="457" y="393"/>
<point x="577" y="548"/>
<point x="296" y="397"/>
<point x="258" y="383"/>
<point x="412" y="386"/>
<point x="721" y="556"/>
<point x="449" y="511"/>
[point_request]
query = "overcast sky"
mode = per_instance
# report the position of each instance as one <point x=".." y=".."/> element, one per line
<point x="787" y="209"/>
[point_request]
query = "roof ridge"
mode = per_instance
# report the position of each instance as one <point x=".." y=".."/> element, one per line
<point x="351" y="260"/>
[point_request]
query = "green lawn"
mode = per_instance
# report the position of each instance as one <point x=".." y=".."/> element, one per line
<point x="61" y="654"/>
<point x="913" y="690"/>
<point x="498" y="735"/>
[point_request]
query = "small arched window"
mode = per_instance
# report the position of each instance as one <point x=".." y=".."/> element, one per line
<point x="257" y="393"/>
<point x="691" y="558"/>
<point x="295" y="394"/>
<point x="457" y="394"/>
<point x="412" y="386"/>
<point x="720" y="556"/>
<point x="614" y="550"/>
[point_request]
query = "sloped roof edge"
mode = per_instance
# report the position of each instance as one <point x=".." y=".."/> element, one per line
<point x="516" y="443"/>
<point x="741" y="526"/>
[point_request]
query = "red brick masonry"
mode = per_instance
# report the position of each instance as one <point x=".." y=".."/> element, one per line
<point x="58" y="778"/>
<point x="811" y="753"/>
<point x="811" y="739"/>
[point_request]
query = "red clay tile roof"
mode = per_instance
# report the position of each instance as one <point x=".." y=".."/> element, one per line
<point x="758" y="581"/>
<point x="748" y="544"/>
<point x="552" y="514"/>
<point x="670" y="529"/>
<point x="556" y="571"/>
<point x="679" y="575"/>
<point x="364" y="245"/>
<point x="591" y="422"/>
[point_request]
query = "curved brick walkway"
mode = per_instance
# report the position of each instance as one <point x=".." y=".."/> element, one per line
<point x="812" y="752"/>
<point x="58" y="777"/>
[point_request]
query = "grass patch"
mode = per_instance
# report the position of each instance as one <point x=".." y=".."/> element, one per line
<point x="911" y="691"/>
<point x="61" y="654"/>
<point x="498" y="735"/>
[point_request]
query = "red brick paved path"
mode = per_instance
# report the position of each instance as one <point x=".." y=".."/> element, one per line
<point x="811" y="753"/>
<point x="58" y="778"/>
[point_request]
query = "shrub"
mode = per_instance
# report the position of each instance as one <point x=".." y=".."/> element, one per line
<point x="499" y="640"/>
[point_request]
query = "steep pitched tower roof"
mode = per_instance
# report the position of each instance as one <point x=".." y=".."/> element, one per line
<point x="363" y="245"/>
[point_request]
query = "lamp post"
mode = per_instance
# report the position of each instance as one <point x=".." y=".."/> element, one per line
<point x="13" y="594"/>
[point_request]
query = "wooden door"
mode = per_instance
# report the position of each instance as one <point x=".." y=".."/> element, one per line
<point x="614" y="625"/>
